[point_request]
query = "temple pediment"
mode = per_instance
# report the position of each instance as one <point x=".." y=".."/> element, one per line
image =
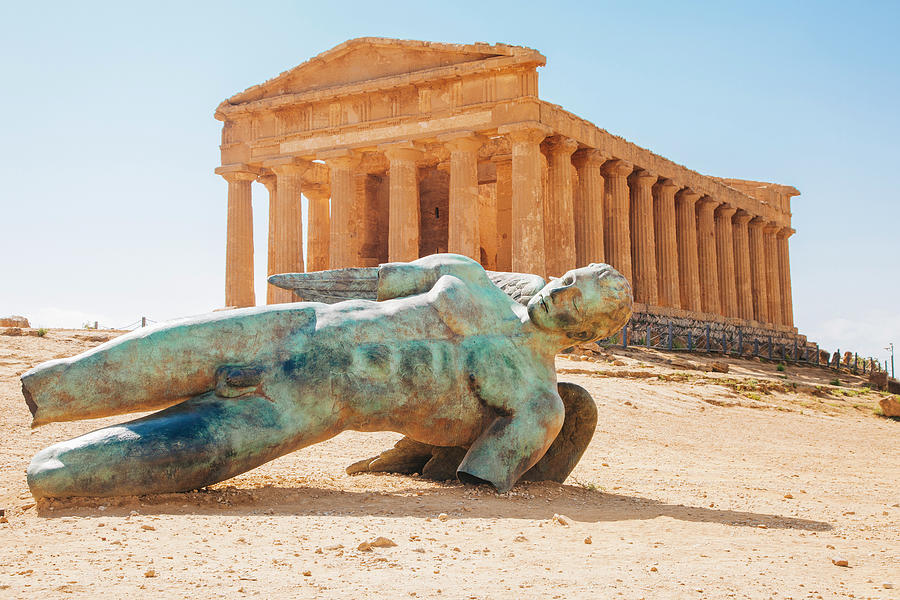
<point x="366" y="59"/>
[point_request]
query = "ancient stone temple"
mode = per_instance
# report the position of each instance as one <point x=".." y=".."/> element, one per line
<point x="407" y="148"/>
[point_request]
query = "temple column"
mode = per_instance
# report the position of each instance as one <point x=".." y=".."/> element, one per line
<point x="503" y="164"/>
<point x="643" y="238"/>
<point x="725" y="258"/>
<point x="784" y="268"/>
<point x="559" y="226"/>
<point x="588" y="206"/>
<point x="318" y="251"/>
<point x="462" y="229"/>
<point x="342" y="249"/>
<point x="239" y="240"/>
<point x="616" y="226"/>
<point x="773" y="275"/>
<point x="287" y="254"/>
<point x="758" y="270"/>
<point x="706" y="255"/>
<point x="668" y="290"/>
<point x="271" y="186"/>
<point x="403" y="217"/>
<point x="686" y="233"/>
<point x="527" y="209"/>
<point x="742" y="276"/>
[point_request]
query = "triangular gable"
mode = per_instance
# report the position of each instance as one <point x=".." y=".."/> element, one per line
<point x="364" y="59"/>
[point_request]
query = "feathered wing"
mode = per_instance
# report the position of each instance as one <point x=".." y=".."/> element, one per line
<point x="336" y="285"/>
<point x="518" y="286"/>
<point x="361" y="283"/>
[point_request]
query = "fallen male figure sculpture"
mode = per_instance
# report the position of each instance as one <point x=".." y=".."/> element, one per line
<point x="441" y="354"/>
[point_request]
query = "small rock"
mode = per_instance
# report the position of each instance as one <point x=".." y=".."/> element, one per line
<point x="364" y="547"/>
<point x="789" y="496"/>
<point x="150" y="573"/>
<point x="618" y="363"/>
<point x="520" y="538"/>
<point x="4" y="520"/>
<point x="561" y="520"/>
<point x="148" y="527"/>
<point x="443" y="517"/>
<point x="890" y="406"/>
<point x="588" y="540"/>
<point x="887" y="585"/>
<point x="307" y="573"/>
<point x="718" y="367"/>
<point x="839" y="561"/>
<point x="383" y="542"/>
<point x="829" y="546"/>
<point x="653" y="569"/>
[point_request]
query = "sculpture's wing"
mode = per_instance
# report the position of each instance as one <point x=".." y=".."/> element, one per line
<point x="361" y="283"/>
<point x="518" y="286"/>
<point x="332" y="286"/>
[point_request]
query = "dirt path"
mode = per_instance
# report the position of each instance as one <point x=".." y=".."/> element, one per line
<point x="696" y="485"/>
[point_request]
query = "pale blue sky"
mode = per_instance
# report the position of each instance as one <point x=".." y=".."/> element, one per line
<point x="109" y="208"/>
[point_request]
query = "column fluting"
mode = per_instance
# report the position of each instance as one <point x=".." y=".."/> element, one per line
<point x="773" y="275"/>
<point x="403" y="220"/>
<point x="643" y="238"/>
<point x="288" y="252"/>
<point x="616" y="222"/>
<point x="318" y="251"/>
<point x="686" y="233"/>
<point x="588" y="203"/>
<point x="742" y="271"/>
<point x="239" y="241"/>
<point x="668" y="288"/>
<point x="559" y="226"/>
<point x="725" y="258"/>
<point x="270" y="181"/>
<point x="527" y="210"/>
<point x="758" y="269"/>
<point x="462" y="234"/>
<point x="504" y="211"/>
<point x="784" y="267"/>
<point x="342" y="247"/>
<point x="706" y="255"/>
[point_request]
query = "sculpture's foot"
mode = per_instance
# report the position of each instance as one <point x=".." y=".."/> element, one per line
<point x="193" y="444"/>
<point x="440" y="463"/>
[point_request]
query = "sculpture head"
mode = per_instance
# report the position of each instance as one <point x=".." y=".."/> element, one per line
<point x="584" y="305"/>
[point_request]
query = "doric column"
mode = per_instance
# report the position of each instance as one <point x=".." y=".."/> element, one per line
<point x="706" y="254"/>
<point x="667" y="278"/>
<point x="559" y="227"/>
<point x="686" y="232"/>
<point x="758" y="270"/>
<point x="773" y="275"/>
<point x="239" y="240"/>
<point x="643" y="238"/>
<point x="784" y="268"/>
<point x="318" y="251"/>
<point x="503" y="163"/>
<point x="742" y="276"/>
<point x="287" y="231"/>
<point x="725" y="258"/>
<point x="616" y="226"/>
<point x="342" y="247"/>
<point x="403" y="219"/>
<point x="527" y="210"/>
<point x="269" y="181"/>
<point x="588" y="206"/>
<point x="462" y="229"/>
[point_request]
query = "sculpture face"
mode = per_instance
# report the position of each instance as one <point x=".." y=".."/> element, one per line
<point x="585" y="304"/>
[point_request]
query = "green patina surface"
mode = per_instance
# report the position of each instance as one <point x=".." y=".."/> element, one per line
<point x="443" y="356"/>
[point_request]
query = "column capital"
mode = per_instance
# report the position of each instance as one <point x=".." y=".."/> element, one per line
<point x="771" y="227"/>
<point x="644" y="176"/>
<point x="238" y="172"/>
<point x="785" y="232"/>
<point x="687" y="195"/>
<point x="666" y="184"/>
<point x="617" y="167"/>
<point x="341" y="158"/>
<point x="402" y="151"/>
<point x="501" y="158"/>
<point x="589" y="156"/>
<point x="268" y="179"/>
<point x="559" y="144"/>
<point x="757" y="223"/>
<point x="461" y="141"/>
<point x="725" y="211"/>
<point x="742" y="217"/>
<point x="287" y="165"/>
<point x="529" y="131"/>
<point x="317" y="191"/>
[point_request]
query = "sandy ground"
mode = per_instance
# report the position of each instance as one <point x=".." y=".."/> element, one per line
<point x="696" y="485"/>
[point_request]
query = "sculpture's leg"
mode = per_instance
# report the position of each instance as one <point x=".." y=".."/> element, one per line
<point x="199" y="442"/>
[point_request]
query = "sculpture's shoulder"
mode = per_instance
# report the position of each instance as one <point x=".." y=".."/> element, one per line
<point x="474" y="307"/>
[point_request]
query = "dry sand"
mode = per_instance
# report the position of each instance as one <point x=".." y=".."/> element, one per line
<point x="696" y="485"/>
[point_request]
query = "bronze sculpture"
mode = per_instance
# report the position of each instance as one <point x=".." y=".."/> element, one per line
<point x="442" y="355"/>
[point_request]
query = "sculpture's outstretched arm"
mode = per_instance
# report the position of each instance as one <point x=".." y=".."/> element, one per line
<point x="441" y="463"/>
<point x="513" y="443"/>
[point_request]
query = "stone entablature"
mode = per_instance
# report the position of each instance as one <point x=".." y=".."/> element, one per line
<point x="406" y="148"/>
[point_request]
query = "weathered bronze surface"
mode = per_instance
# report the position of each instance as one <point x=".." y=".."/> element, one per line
<point x="443" y="356"/>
